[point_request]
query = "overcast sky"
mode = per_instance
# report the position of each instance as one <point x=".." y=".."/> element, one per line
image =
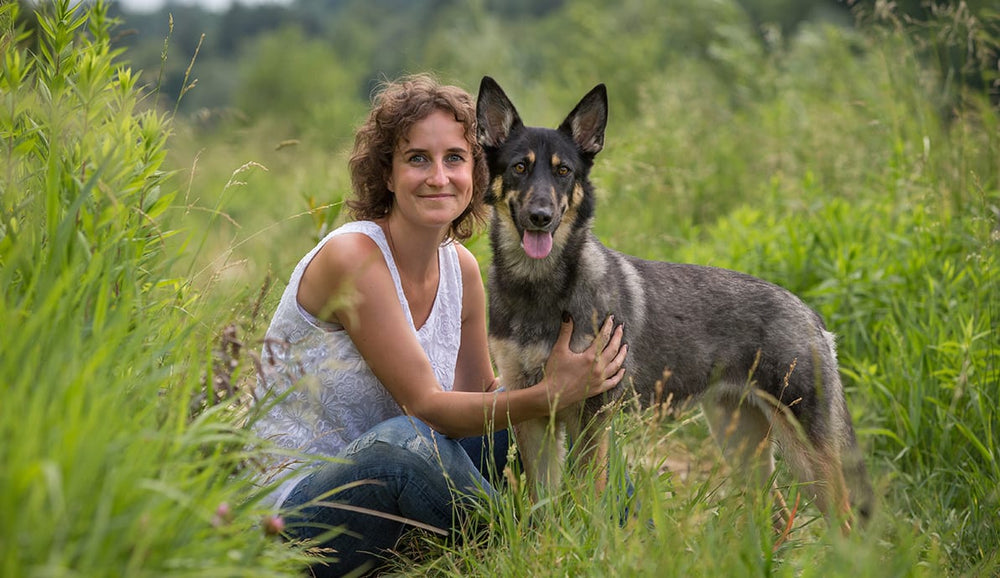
<point x="150" y="5"/>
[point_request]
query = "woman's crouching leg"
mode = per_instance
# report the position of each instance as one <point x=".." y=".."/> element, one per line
<point x="397" y="476"/>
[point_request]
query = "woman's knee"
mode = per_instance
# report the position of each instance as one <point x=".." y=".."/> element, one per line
<point x="401" y="431"/>
<point x="405" y="439"/>
<point x="404" y="433"/>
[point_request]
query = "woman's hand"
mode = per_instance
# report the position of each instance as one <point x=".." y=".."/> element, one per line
<point x="573" y="377"/>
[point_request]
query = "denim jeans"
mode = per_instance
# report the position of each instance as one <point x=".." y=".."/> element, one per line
<point x="401" y="468"/>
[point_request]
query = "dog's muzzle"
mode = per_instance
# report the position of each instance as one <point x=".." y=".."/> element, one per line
<point x="536" y="240"/>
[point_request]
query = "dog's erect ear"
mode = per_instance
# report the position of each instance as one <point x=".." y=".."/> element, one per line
<point x="496" y="117"/>
<point x="588" y="120"/>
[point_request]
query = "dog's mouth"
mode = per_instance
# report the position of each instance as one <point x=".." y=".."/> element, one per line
<point x="537" y="244"/>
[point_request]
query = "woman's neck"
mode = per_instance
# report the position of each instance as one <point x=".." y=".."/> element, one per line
<point x="414" y="249"/>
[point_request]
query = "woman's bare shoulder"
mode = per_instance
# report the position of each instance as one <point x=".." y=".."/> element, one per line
<point x="468" y="263"/>
<point x="335" y="269"/>
<point x="348" y="252"/>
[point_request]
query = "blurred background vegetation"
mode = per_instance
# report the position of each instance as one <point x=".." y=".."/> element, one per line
<point x="546" y="42"/>
<point x="297" y="77"/>
<point x="849" y="151"/>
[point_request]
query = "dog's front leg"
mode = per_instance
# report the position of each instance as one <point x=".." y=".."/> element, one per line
<point x="589" y="442"/>
<point x="540" y="443"/>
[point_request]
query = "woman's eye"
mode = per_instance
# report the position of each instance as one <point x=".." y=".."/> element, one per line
<point x="455" y="158"/>
<point x="418" y="159"/>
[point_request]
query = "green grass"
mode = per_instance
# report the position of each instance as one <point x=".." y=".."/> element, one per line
<point x="107" y="470"/>
<point x="826" y="166"/>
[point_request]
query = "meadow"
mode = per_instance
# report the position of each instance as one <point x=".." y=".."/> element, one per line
<point x="141" y="252"/>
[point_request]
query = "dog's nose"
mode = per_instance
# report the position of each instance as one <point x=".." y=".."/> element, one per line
<point x="540" y="216"/>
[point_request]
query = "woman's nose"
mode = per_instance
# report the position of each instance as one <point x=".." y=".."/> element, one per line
<point x="438" y="176"/>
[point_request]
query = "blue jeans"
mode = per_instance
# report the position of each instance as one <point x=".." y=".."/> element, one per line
<point x="402" y="468"/>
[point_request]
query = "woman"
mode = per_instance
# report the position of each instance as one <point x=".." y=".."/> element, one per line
<point x="382" y="332"/>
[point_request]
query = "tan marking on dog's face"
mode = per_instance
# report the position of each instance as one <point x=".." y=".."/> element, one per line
<point x="496" y="188"/>
<point x="566" y="224"/>
<point x="501" y="208"/>
<point x="510" y="241"/>
<point x="577" y="194"/>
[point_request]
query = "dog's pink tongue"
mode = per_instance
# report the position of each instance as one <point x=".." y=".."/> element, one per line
<point x="537" y="244"/>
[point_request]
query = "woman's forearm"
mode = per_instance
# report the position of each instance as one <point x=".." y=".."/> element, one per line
<point x="568" y="378"/>
<point x="459" y="414"/>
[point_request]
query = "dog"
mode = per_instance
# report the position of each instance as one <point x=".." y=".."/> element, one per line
<point x="760" y="362"/>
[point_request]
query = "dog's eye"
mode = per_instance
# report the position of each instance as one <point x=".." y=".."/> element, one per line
<point x="562" y="171"/>
<point x="520" y="168"/>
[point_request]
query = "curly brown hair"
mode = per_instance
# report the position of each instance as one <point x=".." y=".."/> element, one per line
<point x="396" y="106"/>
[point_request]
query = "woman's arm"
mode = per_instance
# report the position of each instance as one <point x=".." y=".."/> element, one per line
<point x="380" y="331"/>
<point x="474" y="371"/>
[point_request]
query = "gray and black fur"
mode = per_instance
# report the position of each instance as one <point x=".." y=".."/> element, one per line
<point x="758" y="359"/>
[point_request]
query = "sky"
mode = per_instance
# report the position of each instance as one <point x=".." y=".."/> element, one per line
<point x="217" y="5"/>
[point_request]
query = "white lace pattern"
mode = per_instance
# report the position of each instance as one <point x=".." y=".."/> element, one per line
<point x="330" y="396"/>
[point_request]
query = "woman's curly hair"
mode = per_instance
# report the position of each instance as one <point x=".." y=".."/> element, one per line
<point x="396" y="107"/>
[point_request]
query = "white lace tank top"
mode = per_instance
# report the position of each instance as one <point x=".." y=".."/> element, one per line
<point x="330" y="396"/>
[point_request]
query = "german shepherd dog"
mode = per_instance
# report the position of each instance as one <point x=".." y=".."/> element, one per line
<point x="759" y="361"/>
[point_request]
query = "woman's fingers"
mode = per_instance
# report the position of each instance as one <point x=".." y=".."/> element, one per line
<point x="603" y="338"/>
<point x="615" y="343"/>
<point x="609" y="359"/>
<point x="617" y="363"/>
<point x="615" y="379"/>
<point x="565" y="332"/>
<point x="597" y="369"/>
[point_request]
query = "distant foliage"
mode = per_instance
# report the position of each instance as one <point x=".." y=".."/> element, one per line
<point x="300" y="82"/>
<point x="961" y="39"/>
<point x="543" y="43"/>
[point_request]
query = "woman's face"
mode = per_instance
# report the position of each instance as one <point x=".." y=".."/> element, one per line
<point x="432" y="171"/>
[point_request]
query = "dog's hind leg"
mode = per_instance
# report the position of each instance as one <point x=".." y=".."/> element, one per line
<point x="817" y="466"/>
<point x="825" y="455"/>
<point x="832" y="460"/>
<point x="813" y="454"/>
<point x="743" y="432"/>
<point x="541" y="445"/>
<point x="838" y="460"/>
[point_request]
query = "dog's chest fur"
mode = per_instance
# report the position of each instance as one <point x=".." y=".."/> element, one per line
<point x="589" y="281"/>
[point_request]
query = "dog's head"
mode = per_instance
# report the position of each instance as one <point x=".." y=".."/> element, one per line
<point x="539" y="176"/>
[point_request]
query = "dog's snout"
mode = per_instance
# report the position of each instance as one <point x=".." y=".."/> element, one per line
<point x="540" y="217"/>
